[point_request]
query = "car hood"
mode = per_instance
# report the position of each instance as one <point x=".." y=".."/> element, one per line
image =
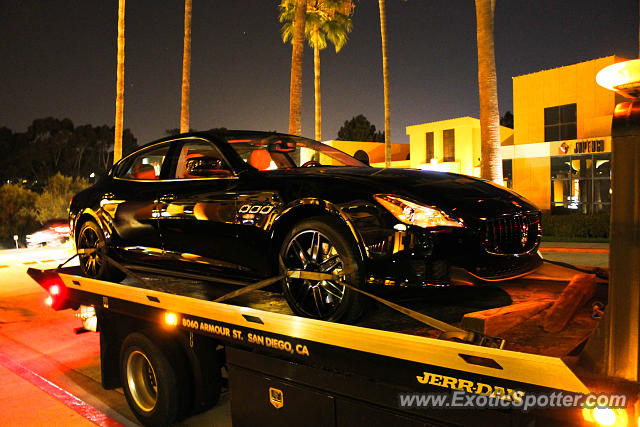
<point x="460" y="194"/>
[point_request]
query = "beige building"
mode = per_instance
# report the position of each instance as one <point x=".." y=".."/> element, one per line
<point x="562" y="137"/>
<point x="374" y="151"/>
<point x="450" y="145"/>
<point x="558" y="154"/>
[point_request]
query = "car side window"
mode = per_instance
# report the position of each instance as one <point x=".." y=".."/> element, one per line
<point x="146" y="165"/>
<point x="201" y="159"/>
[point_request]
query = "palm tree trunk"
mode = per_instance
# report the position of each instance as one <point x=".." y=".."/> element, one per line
<point x="490" y="154"/>
<point x="316" y="85"/>
<point x="117" y="142"/>
<point x="295" y="91"/>
<point x="385" y="77"/>
<point x="186" y="69"/>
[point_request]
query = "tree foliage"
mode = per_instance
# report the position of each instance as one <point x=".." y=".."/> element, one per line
<point x="331" y="17"/>
<point x="16" y="215"/>
<point x="359" y="129"/>
<point x="56" y="195"/>
<point x="507" y="120"/>
<point x="52" y="145"/>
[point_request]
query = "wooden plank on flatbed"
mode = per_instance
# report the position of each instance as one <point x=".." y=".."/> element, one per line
<point x="494" y="321"/>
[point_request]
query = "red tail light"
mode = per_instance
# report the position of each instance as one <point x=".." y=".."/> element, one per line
<point x="57" y="298"/>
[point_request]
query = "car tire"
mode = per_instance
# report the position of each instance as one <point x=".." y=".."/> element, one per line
<point x="322" y="244"/>
<point x="95" y="265"/>
<point x="154" y="380"/>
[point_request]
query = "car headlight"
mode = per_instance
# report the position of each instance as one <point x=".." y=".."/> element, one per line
<point x="415" y="214"/>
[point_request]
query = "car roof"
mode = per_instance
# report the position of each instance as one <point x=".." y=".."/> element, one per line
<point x="224" y="133"/>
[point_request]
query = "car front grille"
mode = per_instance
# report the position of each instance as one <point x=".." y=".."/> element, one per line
<point x="511" y="234"/>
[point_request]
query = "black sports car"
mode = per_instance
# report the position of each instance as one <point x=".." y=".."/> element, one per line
<point x="246" y="205"/>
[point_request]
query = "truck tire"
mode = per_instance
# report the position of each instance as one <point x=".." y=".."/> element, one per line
<point x="321" y="244"/>
<point x="94" y="265"/>
<point x="152" y="380"/>
<point x="204" y="362"/>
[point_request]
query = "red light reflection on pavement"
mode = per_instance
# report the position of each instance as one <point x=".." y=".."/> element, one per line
<point x="81" y="407"/>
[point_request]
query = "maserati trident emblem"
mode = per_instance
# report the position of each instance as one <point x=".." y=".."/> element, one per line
<point x="524" y="228"/>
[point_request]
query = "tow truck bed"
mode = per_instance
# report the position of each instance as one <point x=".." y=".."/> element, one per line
<point x="447" y="304"/>
<point x="354" y="369"/>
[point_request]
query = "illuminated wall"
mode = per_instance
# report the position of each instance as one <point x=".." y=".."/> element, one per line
<point x="533" y="148"/>
<point x="559" y="86"/>
<point x="375" y="151"/>
<point x="467" y="145"/>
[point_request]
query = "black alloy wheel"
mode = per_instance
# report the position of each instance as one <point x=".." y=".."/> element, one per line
<point x="318" y="245"/>
<point x="93" y="263"/>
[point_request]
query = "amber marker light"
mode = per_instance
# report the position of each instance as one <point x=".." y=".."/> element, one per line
<point x="622" y="77"/>
<point x="605" y="416"/>
<point x="170" y="318"/>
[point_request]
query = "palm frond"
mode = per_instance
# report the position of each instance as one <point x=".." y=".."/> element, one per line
<point x="331" y="17"/>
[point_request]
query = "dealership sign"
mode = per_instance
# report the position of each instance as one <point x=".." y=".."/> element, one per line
<point x="584" y="147"/>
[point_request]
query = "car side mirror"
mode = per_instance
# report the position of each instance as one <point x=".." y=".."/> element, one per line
<point x="202" y="167"/>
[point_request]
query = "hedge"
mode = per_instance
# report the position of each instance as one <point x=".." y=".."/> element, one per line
<point x="576" y="227"/>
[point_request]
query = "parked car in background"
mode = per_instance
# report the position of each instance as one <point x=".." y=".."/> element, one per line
<point x="248" y="205"/>
<point x="54" y="232"/>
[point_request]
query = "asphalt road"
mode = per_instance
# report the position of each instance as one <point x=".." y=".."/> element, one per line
<point x="49" y="375"/>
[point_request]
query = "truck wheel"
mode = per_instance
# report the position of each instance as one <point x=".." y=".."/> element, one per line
<point x="203" y="360"/>
<point x="94" y="265"/>
<point x="150" y="381"/>
<point x="319" y="244"/>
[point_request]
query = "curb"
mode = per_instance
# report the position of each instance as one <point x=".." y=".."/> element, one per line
<point x="576" y="250"/>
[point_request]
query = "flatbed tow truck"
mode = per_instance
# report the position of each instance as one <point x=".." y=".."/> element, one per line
<point x="165" y="340"/>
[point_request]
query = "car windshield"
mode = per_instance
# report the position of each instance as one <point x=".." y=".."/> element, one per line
<point x="288" y="152"/>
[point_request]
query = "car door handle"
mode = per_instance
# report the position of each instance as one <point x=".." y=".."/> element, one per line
<point x="167" y="198"/>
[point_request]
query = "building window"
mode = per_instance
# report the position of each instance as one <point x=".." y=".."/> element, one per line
<point x="449" y="142"/>
<point x="430" y="153"/>
<point x="560" y="123"/>
<point x="581" y="183"/>
<point x="362" y="156"/>
<point x="507" y="173"/>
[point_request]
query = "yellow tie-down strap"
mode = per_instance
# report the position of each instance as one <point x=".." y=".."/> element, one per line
<point x="525" y="368"/>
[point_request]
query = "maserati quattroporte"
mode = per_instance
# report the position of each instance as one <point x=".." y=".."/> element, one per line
<point x="247" y="205"/>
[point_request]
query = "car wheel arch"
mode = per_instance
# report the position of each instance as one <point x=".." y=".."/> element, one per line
<point x="308" y="208"/>
<point x="85" y="217"/>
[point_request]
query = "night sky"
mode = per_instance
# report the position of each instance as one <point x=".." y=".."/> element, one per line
<point x="59" y="59"/>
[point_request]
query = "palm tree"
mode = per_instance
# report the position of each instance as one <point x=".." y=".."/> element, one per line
<point x="490" y="154"/>
<point x="186" y="69"/>
<point x="385" y="78"/>
<point x="117" y="143"/>
<point x="326" y="19"/>
<point x="295" y="91"/>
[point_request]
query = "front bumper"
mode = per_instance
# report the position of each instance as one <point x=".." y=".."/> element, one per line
<point x="420" y="257"/>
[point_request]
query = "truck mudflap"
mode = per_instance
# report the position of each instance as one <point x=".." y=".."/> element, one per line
<point x="408" y="362"/>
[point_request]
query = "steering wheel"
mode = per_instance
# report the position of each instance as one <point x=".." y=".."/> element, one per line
<point x="311" y="164"/>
